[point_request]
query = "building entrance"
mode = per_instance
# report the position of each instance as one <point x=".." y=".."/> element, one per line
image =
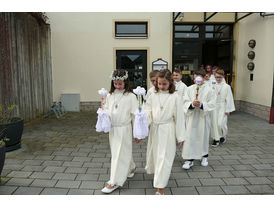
<point x="201" y="44"/>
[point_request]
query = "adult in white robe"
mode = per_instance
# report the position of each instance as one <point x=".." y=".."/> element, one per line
<point x="164" y="112"/>
<point x="224" y="104"/>
<point x="197" y="121"/>
<point x="121" y="108"/>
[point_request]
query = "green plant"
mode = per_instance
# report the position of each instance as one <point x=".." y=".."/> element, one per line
<point x="2" y="137"/>
<point x="6" y="114"/>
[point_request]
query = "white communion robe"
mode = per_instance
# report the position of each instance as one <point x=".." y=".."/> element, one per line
<point x="224" y="103"/>
<point x="197" y="122"/>
<point x="150" y="91"/>
<point x="120" y="135"/>
<point x="213" y="115"/>
<point x="164" y="113"/>
<point x="180" y="88"/>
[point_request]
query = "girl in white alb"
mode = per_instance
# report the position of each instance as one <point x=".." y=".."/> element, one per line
<point x="121" y="104"/>
<point x="164" y="113"/>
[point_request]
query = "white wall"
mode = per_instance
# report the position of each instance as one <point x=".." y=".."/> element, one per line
<point x="83" y="49"/>
<point x="258" y="91"/>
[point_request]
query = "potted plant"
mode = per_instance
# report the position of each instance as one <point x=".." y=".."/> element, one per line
<point x="2" y="150"/>
<point x="11" y="127"/>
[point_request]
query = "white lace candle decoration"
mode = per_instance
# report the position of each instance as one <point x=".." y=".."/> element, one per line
<point x="140" y="129"/>
<point x="103" y="122"/>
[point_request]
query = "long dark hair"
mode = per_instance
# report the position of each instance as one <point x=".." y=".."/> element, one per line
<point x="166" y="74"/>
<point x="120" y="73"/>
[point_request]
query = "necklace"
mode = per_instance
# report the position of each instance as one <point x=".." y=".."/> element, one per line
<point x="162" y="105"/>
<point x="116" y="102"/>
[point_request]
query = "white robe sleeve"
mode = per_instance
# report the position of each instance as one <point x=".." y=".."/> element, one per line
<point x="230" y="107"/>
<point x="134" y="104"/>
<point x="106" y="103"/>
<point x="187" y="101"/>
<point x="134" y="107"/>
<point x="179" y="115"/>
<point x="210" y="103"/>
<point x="148" y="110"/>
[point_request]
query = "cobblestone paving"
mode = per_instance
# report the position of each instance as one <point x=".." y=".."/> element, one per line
<point x="67" y="156"/>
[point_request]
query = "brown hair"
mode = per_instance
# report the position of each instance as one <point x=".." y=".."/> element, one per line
<point x="120" y="73"/>
<point x="177" y="70"/>
<point x="166" y="74"/>
<point x="200" y="72"/>
<point x="220" y="72"/>
<point x="153" y="73"/>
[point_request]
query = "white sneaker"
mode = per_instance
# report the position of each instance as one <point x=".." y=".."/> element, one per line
<point x="187" y="165"/>
<point x="204" y="161"/>
<point x="107" y="190"/>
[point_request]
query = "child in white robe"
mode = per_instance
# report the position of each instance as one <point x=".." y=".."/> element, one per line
<point x="199" y="101"/>
<point x="207" y="78"/>
<point x="213" y="114"/>
<point x="179" y="85"/>
<point x="164" y="113"/>
<point x="121" y="104"/>
<point x="152" y="76"/>
<point x="212" y="77"/>
<point x="224" y="105"/>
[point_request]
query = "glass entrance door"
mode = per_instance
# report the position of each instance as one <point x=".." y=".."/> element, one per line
<point x="135" y="62"/>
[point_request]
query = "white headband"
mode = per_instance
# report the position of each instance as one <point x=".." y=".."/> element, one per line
<point x="119" y="78"/>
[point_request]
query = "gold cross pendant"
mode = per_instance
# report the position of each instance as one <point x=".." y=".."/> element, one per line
<point x="161" y="107"/>
<point x="116" y="106"/>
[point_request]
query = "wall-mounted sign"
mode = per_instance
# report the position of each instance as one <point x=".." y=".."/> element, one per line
<point x="159" y="64"/>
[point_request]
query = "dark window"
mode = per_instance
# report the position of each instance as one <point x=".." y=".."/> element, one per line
<point x="217" y="31"/>
<point x="187" y="31"/>
<point x="131" y="29"/>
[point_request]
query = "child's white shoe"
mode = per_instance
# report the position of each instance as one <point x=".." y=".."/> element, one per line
<point x="131" y="173"/>
<point x="158" y="193"/>
<point x="204" y="161"/>
<point x="109" y="190"/>
<point x="187" y="165"/>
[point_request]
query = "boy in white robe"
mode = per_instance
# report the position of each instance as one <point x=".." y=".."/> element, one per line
<point x="164" y="111"/>
<point x="121" y="104"/>
<point x="212" y="77"/>
<point x="207" y="78"/>
<point x="179" y="85"/>
<point x="153" y="76"/>
<point x="224" y="104"/>
<point x="199" y="101"/>
<point x="213" y="114"/>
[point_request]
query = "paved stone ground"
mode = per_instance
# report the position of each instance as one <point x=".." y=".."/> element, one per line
<point x="67" y="156"/>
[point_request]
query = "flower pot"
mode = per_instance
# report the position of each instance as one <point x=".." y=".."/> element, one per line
<point x="13" y="131"/>
<point x="2" y="156"/>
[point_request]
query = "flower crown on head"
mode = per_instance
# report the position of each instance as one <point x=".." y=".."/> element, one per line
<point x="119" y="78"/>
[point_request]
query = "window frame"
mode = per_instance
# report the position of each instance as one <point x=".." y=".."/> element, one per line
<point x="131" y="35"/>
